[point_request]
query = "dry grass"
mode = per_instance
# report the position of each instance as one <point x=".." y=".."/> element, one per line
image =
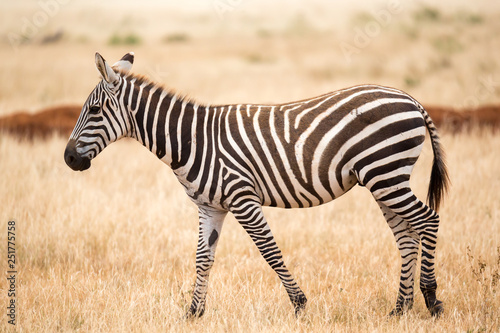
<point x="112" y="249"/>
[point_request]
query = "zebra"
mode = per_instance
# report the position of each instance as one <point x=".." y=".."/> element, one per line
<point x="238" y="158"/>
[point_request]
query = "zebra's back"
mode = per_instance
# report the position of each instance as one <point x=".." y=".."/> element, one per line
<point x="309" y="152"/>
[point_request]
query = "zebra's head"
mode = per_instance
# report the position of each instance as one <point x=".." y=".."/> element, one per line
<point x="103" y="119"/>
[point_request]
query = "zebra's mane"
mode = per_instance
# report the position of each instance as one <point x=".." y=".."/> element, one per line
<point x="150" y="84"/>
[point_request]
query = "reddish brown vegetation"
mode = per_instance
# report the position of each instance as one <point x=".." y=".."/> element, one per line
<point x="61" y="120"/>
<point x="55" y="120"/>
<point x="486" y="116"/>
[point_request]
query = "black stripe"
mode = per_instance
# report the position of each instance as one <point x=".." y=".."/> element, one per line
<point x="395" y="194"/>
<point x="139" y="116"/>
<point x="153" y="103"/>
<point x="186" y="135"/>
<point x="403" y="203"/>
<point x="386" y="168"/>
<point x="161" y="148"/>
<point x="389" y="182"/>
<point x="172" y="130"/>
<point x="200" y="144"/>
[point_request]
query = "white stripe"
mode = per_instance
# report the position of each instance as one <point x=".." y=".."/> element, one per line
<point x="179" y="130"/>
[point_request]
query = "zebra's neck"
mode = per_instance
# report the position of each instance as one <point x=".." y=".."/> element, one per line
<point x="161" y="120"/>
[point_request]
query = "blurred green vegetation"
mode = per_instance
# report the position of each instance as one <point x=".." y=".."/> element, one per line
<point x="128" y="39"/>
<point x="177" y="37"/>
<point x="427" y="14"/>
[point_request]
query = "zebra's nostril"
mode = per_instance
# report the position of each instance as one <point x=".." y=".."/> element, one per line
<point x="69" y="159"/>
<point x="70" y="154"/>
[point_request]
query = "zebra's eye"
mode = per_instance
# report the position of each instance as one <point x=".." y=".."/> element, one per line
<point x="94" y="109"/>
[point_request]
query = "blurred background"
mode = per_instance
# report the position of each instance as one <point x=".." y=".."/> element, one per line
<point x="228" y="51"/>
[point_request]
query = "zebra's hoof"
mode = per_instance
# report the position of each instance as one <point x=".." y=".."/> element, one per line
<point x="299" y="310"/>
<point x="396" y="312"/>
<point x="299" y="304"/>
<point x="194" y="313"/>
<point x="402" y="306"/>
<point x="437" y="309"/>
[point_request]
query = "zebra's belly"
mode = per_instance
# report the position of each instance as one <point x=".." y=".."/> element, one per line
<point x="298" y="194"/>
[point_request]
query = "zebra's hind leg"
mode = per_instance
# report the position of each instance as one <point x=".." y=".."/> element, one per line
<point x="210" y="225"/>
<point x="251" y="218"/>
<point x="425" y="222"/>
<point x="408" y="242"/>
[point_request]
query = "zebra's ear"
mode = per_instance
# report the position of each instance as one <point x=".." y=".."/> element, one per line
<point x="107" y="73"/>
<point x="125" y="63"/>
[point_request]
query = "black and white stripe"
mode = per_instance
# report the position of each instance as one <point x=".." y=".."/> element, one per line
<point x="238" y="158"/>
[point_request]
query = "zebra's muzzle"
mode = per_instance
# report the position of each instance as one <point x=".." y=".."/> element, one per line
<point x="73" y="159"/>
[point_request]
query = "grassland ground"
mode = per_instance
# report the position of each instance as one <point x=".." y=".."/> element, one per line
<point x="112" y="249"/>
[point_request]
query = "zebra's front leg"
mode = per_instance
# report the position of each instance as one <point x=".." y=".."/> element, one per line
<point x="251" y="217"/>
<point x="209" y="231"/>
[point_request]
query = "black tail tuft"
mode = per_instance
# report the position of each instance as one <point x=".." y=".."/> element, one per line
<point x="439" y="182"/>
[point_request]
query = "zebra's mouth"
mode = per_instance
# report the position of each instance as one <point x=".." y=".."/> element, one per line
<point x="73" y="159"/>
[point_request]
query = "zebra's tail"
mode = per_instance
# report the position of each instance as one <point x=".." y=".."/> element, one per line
<point x="439" y="182"/>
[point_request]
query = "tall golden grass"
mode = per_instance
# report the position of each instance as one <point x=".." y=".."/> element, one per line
<point x="113" y="248"/>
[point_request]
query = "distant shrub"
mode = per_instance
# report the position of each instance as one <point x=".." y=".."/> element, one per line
<point x="178" y="37"/>
<point x="469" y="18"/>
<point x="412" y="81"/>
<point x="115" y="40"/>
<point x="130" y="39"/>
<point x="447" y="44"/>
<point x="428" y="14"/>
<point x="475" y="18"/>
<point x="256" y="58"/>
